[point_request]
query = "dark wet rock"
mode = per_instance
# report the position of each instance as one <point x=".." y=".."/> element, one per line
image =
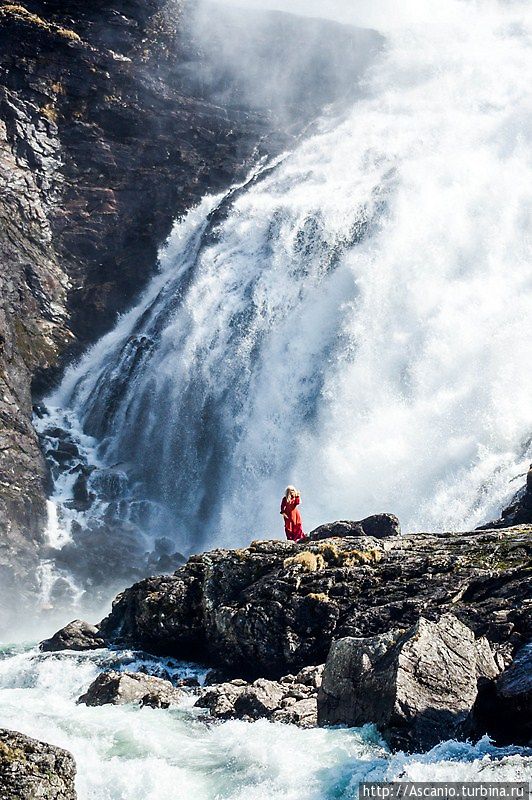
<point x="214" y="676"/>
<point x="279" y="701"/>
<point x="519" y="511"/>
<point x="66" y="452"/>
<point x="30" y="769"/>
<point x="77" y="635"/>
<point x="82" y="498"/>
<point x="503" y="708"/>
<point x="417" y="687"/>
<point x="275" y="607"/>
<point x="190" y="682"/>
<point x="120" y="688"/>
<point x="108" y="553"/>
<point x="378" y="525"/>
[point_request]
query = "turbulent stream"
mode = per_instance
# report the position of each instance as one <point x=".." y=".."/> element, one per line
<point x="128" y="753"/>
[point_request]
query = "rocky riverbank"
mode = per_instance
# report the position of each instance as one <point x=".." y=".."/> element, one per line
<point x="418" y="633"/>
<point x="275" y="607"/>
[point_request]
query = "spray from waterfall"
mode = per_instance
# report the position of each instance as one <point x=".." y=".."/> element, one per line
<point x="354" y="320"/>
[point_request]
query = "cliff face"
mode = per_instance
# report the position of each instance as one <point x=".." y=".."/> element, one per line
<point x="115" y="117"/>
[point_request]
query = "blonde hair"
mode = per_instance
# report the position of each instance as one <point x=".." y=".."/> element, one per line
<point x="290" y="490"/>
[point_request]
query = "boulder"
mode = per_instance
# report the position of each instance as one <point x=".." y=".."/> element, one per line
<point x="259" y="700"/>
<point x="121" y="688"/>
<point x="31" y="769"/>
<point x="310" y="676"/>
<point x="519" y="511"/>
<point x="77" y="635"/>
<point x="418" y="687"/>
<point x="220" y="700"/>
<point x="302" y="713"/>
<point x="378" y="525"/>
<point x="503" y="708"/>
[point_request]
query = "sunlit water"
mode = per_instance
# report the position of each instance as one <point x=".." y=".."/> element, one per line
<point x="129" y="753"/>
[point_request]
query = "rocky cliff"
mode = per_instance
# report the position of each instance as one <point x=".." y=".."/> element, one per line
<point x="275" y="607"/>
<point x="115" y="117"/>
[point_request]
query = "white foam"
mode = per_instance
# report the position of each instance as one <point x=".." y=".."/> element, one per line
<point x="128" y="753"/>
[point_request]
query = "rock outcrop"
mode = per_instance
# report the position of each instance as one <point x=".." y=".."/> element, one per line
<point x="519" y="511"/>
<point x="275" y="607"/>
<point x="378" y="525"/>
<point x="77" y="635"/>
<point x="30" y="769"/>
<point x="121" y="688"/>
<point x="417" y="687"/>
<point x="292" y="699"/>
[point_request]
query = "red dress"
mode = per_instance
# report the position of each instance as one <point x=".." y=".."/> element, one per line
<point x="292" y="521"/>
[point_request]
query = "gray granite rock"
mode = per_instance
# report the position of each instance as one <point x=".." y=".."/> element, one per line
<point x="121" y="688"/>
<point x="418" y="687"/>
<point x="77" y="635"/>
<point x="34" y="770"/>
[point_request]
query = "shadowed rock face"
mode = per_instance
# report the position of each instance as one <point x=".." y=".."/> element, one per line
<point x="106" y="137"/>
<point x="503" y="708"/>
<point x="519" y="512"/>
<point x="31" y="769"/>
<point x="275" y="607"/>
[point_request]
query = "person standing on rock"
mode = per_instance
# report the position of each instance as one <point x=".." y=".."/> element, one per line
<point x="292" y="518"/>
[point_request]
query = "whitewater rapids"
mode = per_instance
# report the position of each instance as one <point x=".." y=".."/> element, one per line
<point x="129" y="753"/>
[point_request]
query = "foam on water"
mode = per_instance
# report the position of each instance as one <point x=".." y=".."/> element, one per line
<point x="128" y="753"/>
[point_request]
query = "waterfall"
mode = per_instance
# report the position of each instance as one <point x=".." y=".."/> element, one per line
<point x="354" y="319"/>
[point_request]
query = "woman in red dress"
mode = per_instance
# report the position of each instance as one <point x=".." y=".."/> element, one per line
<point x="291" y="515"/>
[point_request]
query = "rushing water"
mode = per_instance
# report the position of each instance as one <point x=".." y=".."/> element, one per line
<point x="129" y="753"/>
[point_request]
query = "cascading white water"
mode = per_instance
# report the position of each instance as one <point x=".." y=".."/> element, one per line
<point x="354" y="320"/>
